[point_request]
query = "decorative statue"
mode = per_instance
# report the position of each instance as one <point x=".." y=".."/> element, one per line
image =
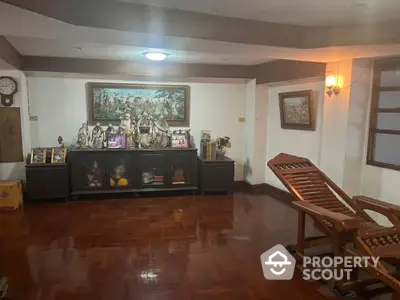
<point x="145" y="129"/>
<point x="97" y="137"/>
<point x="60" y="141"/>
<point x="110" y="129"/>
<point x="83" y="136"/>
<point x="161" y="133"/>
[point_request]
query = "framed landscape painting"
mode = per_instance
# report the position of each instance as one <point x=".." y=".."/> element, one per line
<point x="297" y="110"/>
<point x="108" y="101"/>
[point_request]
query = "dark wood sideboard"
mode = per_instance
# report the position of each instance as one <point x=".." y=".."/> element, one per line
<point x="132" y="170"/>
<point x="216" y="175"/>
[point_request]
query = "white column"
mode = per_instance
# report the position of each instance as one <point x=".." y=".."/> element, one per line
<point x="255" y="132"/>
<point x="335" y="124"/>
<point x="248" y="161"/>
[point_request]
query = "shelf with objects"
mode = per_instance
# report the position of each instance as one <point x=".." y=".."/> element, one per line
<point x="138" y="153"/>
<point x="215" y="170"/>
<point x="47" y="173"/>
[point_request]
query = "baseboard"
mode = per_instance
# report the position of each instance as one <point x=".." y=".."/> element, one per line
<point x="265" y="188"/>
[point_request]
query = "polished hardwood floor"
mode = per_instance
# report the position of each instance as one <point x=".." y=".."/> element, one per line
<point x="187" y="247"/>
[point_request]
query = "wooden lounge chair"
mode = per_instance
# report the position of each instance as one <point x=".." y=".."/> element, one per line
<point x="347" y="227"/>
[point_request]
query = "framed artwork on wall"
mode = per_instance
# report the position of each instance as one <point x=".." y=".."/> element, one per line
<point x="297" y="110"/>
<point x="106" y="102"/>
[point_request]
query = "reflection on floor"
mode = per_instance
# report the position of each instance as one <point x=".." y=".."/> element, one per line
<point x="190" y="247"/>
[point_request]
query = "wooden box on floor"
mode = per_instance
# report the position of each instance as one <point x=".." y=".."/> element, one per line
<point x="10" y="194"/>
<point x="216" y="175"/>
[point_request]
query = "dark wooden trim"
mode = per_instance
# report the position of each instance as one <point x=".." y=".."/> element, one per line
<point x="160" y="70"/>
<point x="176" y="123"/>
<point x="9" y="54"/>
<point x="264" y="188"/>
<point x="274" y="71"/>
<point x="386" y="131"/>
<point x="309" y="95"/>
<point x="286" y="70"/>
<point x="383" y="165"/>
<point x="389" y="89"/>
<point x="379" y="66"/>
<point x="388" y="110"/>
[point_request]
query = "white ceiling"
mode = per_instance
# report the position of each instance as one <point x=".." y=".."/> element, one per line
<point x="65" y="48"/>
<point x="34" y="34"/>
<point x="296" y="12"/>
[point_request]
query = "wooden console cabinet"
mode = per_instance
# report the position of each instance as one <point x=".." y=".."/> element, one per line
<point x="47" y="181"/>
<point x="132" y="170"/>
<point x="216" y="175"/>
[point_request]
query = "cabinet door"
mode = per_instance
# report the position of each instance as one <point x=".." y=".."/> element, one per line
<point x="88" y="171"/>
<point x="182" y="168"/>
<point x="47" y="182"/>
<point x="153" y="171"/>
<point x="121" y="171"/>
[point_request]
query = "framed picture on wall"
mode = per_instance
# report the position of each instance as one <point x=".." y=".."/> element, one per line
<point x="297" y="110"/>
<point x="106" y="101"/>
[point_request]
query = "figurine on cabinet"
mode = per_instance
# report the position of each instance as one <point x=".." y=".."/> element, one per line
<point x="161" y="133"/>
<point x="110" y="130"/>
<point x="145" y="129"/>
<point x="97" y="137"/>
<point x="83" y="136"/>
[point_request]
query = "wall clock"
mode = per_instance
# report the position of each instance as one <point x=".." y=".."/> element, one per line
<point x="8" y="88"/>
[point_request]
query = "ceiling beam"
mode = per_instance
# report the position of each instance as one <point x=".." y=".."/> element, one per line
<point x="9" y="54"/>
<point x="287" y="70"/>
<point x="150" y="69"/>
<point x="274" y="71"/>
<point x="124" y="16"/>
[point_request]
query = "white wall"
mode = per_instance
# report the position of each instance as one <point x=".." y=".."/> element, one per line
<point x="13" y="171"/>
<point x="296" y="142"/>
<point x="60" y="104"/>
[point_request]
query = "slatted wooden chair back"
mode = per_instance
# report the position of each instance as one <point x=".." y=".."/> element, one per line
<point x="307" y="183"/>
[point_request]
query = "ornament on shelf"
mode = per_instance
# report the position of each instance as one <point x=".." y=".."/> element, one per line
<point x="97" y="137"/>
<point x="110" y="130"/>
<point x="60" y="141"/>
<point x="83" y="136"/>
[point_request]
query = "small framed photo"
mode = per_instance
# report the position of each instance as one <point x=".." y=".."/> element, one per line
<point x="297" y="110"/>
<point x="58" y="155"/>
<point x="116" y="141"/>
<point x="38" y="156"/>
<point x="179" y="140"/>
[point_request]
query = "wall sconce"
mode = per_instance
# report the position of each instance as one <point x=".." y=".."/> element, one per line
<point x="332" y="85"/>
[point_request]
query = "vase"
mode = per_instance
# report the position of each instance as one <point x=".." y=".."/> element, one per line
<point x="221" y="154"/>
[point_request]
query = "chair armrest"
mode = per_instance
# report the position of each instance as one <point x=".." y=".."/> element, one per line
<point x="391" y="211"/>
<point x="339" y="220"/>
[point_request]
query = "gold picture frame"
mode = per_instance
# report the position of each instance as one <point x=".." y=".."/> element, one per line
<point x="58" y="155"/>
<point x="38" y="155"/>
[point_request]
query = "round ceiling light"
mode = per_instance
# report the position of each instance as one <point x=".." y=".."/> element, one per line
<point x="156" y="55"/>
